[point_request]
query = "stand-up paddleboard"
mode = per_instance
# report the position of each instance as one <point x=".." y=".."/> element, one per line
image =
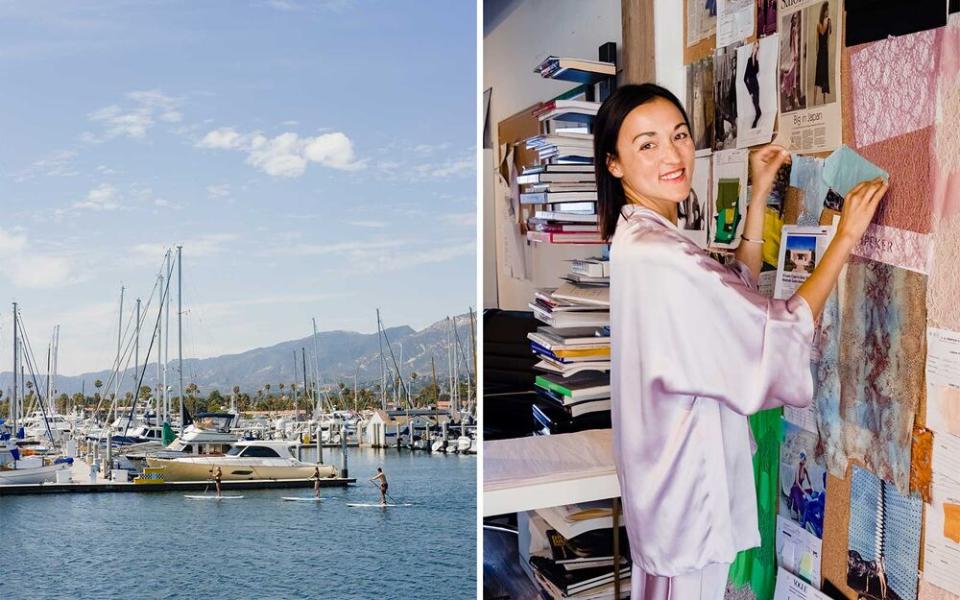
<point x="301" y="499"/>
<point x="362" y="505"/>
<point x="213" y="497"/>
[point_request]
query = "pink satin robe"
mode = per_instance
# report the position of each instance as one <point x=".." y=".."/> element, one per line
<point x="695" y="349"/>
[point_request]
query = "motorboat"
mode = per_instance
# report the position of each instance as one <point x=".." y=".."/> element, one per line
<point x="15" y="469"/>
<point x="248" y="459"/>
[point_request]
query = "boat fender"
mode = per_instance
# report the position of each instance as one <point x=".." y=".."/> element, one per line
<point x="64" y="460"/>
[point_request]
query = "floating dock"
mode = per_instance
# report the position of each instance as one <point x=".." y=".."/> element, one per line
<point x="81" y="483"/>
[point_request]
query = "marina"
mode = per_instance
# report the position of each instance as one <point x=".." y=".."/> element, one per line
<point x="110" y="546"/>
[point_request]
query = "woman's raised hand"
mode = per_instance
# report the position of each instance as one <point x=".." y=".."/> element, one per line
<point x="858" y="208"/>
<point x="764" y="164"/>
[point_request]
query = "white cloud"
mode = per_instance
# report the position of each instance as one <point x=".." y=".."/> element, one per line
<point x="143" y="111"/>
<point x="221" y="190"/>
<point x="30" y="269"/>
<point x="102" y="197"/>
<point x="371" y="224"/>
<point x="224" y="138"/>
<point x="287" y="154"/>
<point x="464" y="219"/>
<point x="210" y="244"/>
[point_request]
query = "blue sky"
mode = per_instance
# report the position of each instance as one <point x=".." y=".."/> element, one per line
<point x="314" y="158"/>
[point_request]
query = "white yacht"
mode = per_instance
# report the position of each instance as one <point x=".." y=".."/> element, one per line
<point x="248" y="459"/>
<point x="29" y="469"/>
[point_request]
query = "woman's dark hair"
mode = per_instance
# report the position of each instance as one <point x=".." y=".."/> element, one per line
<point x="606" y="130"/>
<point x="824" y="11"/>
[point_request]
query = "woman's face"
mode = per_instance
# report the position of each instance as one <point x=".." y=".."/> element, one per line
<point x="655" y="154"/>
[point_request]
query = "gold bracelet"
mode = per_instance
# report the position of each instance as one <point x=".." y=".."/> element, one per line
<point x="746" y="239"/>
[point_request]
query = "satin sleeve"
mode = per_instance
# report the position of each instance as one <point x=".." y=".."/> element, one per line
<point x="705" y="330"/>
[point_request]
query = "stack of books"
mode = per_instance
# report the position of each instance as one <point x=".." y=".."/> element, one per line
<point x="571" y="350"/>
<point x="589" y="271"/>
<point x="574" y="403"/>
<point x="563" y="148"/>
<point x="576" y="111"/>
<point x="569" y="551"/>
<point x="558" y="308"/>
<point x="575" y="69"/>
<point x="567" y="194"/>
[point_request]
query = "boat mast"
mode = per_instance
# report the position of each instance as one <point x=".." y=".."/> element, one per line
<point x="316" y="359"/>
<point x="180" y="329"/>
<point x="159" y="383"/>
<point x="383" y="373"/>
<point x="116" y="382"/>
<point x="16" y="370"/>
<point x="136" y="351"/>
<point x="166" y="345"/>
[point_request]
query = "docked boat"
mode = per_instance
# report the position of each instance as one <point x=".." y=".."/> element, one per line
<point x="248" y="459"/>
<point x="15" y="469"/>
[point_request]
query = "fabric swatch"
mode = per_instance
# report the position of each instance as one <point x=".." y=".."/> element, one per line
<point x="946" y="146"/>
<point x="758" y="566"/>
<point x="882" y="352"/>
<point x="894" y="86"/>
<point x="908" y="203"/>
<point x="884" y="535"/>
<point x="826" y="389"/>
<point x="806" y="173"/>
<point x="897" y="247"/>
<point x="943" y="284"/>
<point x="844" y="169"/>
<point x="921" y="458"/>
<point x="869" y="20"/>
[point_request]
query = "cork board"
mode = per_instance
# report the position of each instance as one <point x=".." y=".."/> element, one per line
<point x="706" y="47"/>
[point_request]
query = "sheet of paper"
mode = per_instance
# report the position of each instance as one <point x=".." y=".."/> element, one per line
<point x="701" y="20"/>
<point x="766" y="282"/>
<point x="803" y="480"/>
<point x="798" y="551"/>
<point x="791" y="587"/>
<point x="757" y="91"/>
<point x="943" y="381"/>
<point x="725" y="97"/>
<point x="735" y="21"/>
<point x="700" y="105"/>
<point x="809" y="32"/>
<point x="693" y="214"/>
<point x="728" y="205"/>
<point x="800" y="250"/>
<point x="945" y="463"/>
<point x="941" y="543"/>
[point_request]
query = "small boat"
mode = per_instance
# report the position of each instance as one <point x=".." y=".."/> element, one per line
<point x="248" y="459"/>
<point x="27" y="470"/>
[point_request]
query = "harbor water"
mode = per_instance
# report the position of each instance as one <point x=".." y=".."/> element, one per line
<point x="163" y="545"/>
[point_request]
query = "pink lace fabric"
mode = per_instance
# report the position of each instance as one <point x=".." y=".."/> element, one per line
<point x="897" y="247"/>
<point x="943" y="284"/>
<point x="893" y="86"/>
<point x="946" y="141"/>
<point x="928" y="591"/>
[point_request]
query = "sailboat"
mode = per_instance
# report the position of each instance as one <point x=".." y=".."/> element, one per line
<point x="15" y="469"/>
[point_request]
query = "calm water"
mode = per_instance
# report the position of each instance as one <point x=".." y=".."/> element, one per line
<point x="162" y="545"/>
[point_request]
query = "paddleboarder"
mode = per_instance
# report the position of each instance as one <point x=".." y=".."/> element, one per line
<point x="382" y="478"/>
<point x="217" y="476"/>
<point x="316" y="481"/>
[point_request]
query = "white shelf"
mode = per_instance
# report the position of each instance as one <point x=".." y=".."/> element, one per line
<point x="538" y="472"/>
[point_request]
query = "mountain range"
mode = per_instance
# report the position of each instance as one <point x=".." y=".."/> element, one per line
<point x="341" y="355"/>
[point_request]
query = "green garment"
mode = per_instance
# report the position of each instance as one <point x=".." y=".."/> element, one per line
<point x="758" y="566"/>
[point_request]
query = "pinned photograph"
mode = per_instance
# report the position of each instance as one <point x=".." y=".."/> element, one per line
<point x="725" y="97"/>
<point x="701" y="20"/>
<point x="700" y="104"/>
<point x="693" y="212"/>
<point x="803" y="480"/>
<point x="729" y="202"/>
<point x="810" y="119"/>
<point x="766" y="17"/>
<point x="757" y="91"/>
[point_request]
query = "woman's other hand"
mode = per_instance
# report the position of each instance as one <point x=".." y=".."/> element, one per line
<point x="764" y="164"/>
<point x="859" y="207"/>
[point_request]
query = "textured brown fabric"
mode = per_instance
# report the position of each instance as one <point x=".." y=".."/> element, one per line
<point x="909" y="201"/>
<point x="921" y="457"/>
